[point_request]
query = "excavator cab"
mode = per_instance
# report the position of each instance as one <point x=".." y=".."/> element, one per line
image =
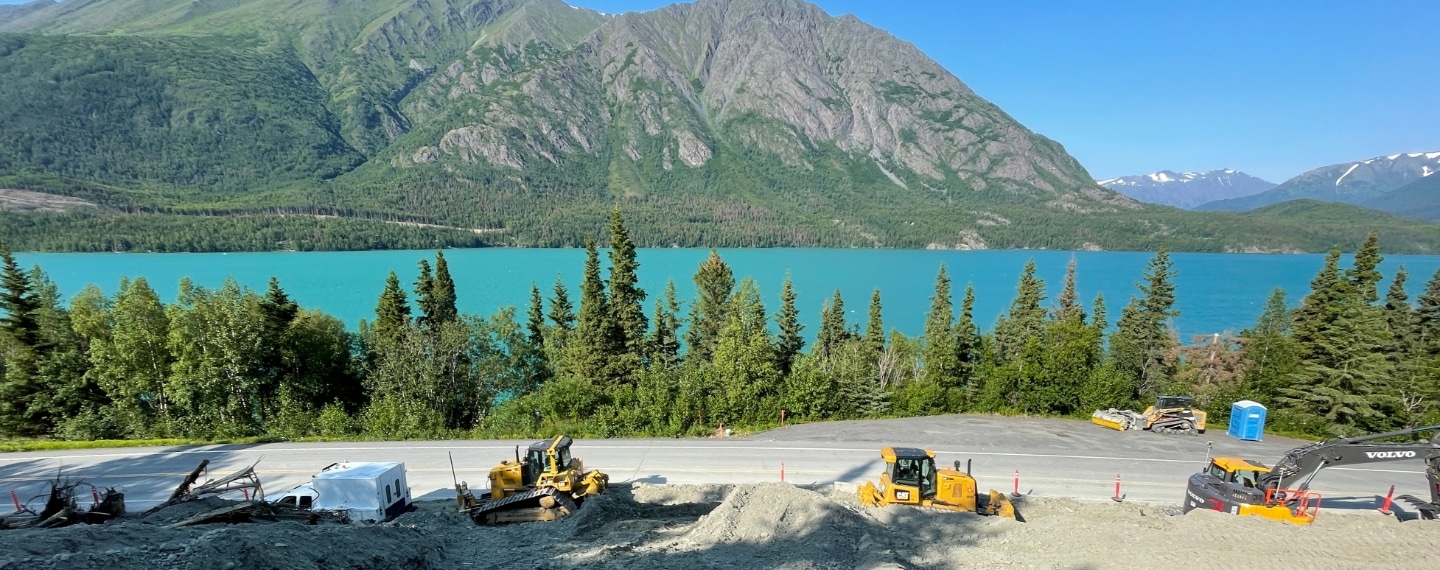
<point x="911" y="478"/>
<point x="1235" y="471"/>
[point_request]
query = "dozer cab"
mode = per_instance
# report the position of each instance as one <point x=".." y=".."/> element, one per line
<point x="1170" y="414"/>
<point x="547" y="484"/>
<point x="910" y="478"/>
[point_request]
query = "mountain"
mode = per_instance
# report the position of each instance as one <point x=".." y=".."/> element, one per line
<point x="1419" y="199"/>
<point x="1188" y="189"/>
<point x="12" y="12"/>
<point x="523" y="122"/>
<point x="1350" y="183"/>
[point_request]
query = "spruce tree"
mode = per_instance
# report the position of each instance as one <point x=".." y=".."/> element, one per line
<point x="626" y="297"/>
<point x="1068" y="304"/>
<point x="425" y="295"/>
<point x="562" y="312"/>
<point x="1345" y="376"/>
<point x="714" y="283"/>
<point x="1024" y="321"/>
<point x="1365" y="276"/>
<point x="833" y="330"/>
<point x="18" y="301"/>
<point x="1143" y="338"/>
<point x="443" y="293"/>
<point x="277" y="312"/>
<point x="967" y="347"/>
<point x="535" y="319"/>
<point x="664" y="341"/>
<point x="875" y="327"/>
<point x="392" y="313"/>
<point x="787" y="320"/>
<point x="940" y="353"/>
<point x="1272" y="350"/>
<point x="592" y="346"/>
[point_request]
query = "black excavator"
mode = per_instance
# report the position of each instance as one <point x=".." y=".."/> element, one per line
<point x="1244" y="487"/>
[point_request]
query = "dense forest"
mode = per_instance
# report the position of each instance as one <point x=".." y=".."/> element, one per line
<point x="612" y="359"/>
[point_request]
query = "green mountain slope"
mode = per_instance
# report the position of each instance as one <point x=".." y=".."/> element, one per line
<point x="1419" y="199"/>
<point x="716" y="123"/>
<point x="178" y="112"/>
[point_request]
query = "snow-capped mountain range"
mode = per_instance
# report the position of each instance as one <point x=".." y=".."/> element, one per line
<point x="1349" y="182"/>
<point x="1187" y="189"/>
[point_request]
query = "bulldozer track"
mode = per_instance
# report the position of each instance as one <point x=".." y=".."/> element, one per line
<point x="523" y="500"/>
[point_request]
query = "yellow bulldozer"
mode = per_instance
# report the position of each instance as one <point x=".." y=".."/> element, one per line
<point x="1170" y="414"/>
<point x="547" y="484"/>
<point x="910" y="478"/>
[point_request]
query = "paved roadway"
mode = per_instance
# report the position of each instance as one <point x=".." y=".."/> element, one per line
<point x="1056" y="458"/>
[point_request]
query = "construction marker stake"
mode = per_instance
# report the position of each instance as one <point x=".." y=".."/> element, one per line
<point x="782" y="471"/>
<point x="1016" y="492"/>
<point x="1385" y="510"/>
<point x="16" y="498"/>
<point x="1118" y="497"/>
<point x="94" y="496"/>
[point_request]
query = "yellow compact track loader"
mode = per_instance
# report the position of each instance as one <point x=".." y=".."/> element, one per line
<point x="547" y="484"/>
<point x="1170" y="414"/>
<point x="911" y="478"/>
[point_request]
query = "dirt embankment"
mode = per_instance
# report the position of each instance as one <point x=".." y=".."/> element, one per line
<point x="12" y="200"/>
<point x="745" y="526"/>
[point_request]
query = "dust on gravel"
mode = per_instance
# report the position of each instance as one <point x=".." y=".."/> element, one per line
<point x="743" y="526"/>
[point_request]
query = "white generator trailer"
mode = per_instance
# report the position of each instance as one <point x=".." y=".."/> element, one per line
<point x="369" y="492"/>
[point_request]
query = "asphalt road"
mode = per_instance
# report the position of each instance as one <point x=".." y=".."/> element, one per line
<point x="1055" y="458"/>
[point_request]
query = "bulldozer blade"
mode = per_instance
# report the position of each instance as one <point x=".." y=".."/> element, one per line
<point x="869" y="495"/>
<point x="1000" y="505"/>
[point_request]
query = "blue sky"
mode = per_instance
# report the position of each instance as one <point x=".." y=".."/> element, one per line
<point x="1271" y="88"/>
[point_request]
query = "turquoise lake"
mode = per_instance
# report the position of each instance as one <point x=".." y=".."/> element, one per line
<point x="1216" y="292"/>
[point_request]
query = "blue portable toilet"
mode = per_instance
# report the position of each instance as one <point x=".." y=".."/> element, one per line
<point x="1247" y="420"/>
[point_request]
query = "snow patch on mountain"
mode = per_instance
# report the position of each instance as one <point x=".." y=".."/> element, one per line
<point x="1187" y="189"/>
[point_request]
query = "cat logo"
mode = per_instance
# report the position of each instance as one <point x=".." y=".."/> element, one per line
<point x="902" y="495"/>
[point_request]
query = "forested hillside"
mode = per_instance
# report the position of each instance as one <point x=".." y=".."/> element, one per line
<point x="612" y="359"/>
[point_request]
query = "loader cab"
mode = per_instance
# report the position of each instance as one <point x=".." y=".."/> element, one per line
<point x="1172" y="402"/>
<point x="913" y="468"/>
<point x="1236" y="471"/>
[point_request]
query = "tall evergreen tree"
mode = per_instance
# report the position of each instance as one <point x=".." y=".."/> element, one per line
<point x="277" y="312"/>
<point x="1068" y="304"/>
<point x="1024" y="321"/>
<point x="1365" y="276"/>
<point x="535" y="319"/>
<point x="1345" y="376"/>
<point x="714" y="282"/>
<point x="392" y="313"/>
<point x="833" y="330"/>
<point x="18" y="301"/>
<point x="665" y="335"/>
<point x="592" y="345"/>
<point x="561" y="315"/>
<point x="626" y="297"/>
<point x="967" y="347"/>
<point x="940" y="355"/>
<point x="1143" y="338"/>
<point x="1272" y="349"/>
<point x="425" y="295"/>
<point x="443" y="293"/>
<point x="788" y="321"/>
<point x="875" y="327"/>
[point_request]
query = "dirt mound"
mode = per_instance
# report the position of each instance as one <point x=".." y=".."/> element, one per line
<point x="144" y="545"/>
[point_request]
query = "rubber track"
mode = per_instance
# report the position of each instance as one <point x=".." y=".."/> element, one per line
<point x="517" y="501"/>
